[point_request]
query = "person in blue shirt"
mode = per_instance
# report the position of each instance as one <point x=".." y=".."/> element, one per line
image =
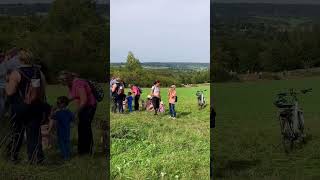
<point x="129" y="100"/>
<point x="62" y="118"/>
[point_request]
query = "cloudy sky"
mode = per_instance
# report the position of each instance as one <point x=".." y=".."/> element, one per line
<point x="273" y="1"/>
<point x="160" y="30"/>
<point x="35" y="1"/>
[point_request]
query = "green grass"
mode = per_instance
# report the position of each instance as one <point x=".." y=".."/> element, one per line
<point x="247" y="141"/>
<point x="80" y="168"/>
<point x="145" y="146"/>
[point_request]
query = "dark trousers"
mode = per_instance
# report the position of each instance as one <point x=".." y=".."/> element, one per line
<point x="120" y="103"/>
<point x="85" y="137"/>
<point x="172" y="110"/>
<point x="156" y="104"/>
<point x="64" y="146"/>
<point x="26" y="119"/>
<point x="136" y="102"/>
<point x="114" y="103"/>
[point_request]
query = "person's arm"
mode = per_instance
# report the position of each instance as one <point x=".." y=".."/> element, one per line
<point x="12" y="83"/>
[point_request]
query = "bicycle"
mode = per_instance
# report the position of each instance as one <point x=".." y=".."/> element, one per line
<point x="291" y="117"/>
<point x="201" y="99"/>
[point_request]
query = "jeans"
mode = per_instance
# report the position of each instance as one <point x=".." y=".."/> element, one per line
<point x="85" y="137"/>
<point x="136" y="102"/>
<point x="64" y="146"/>
<point x="172" y="110"/>
<point x="130" y="107"/>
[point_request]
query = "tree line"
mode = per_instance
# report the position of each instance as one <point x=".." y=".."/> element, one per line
<point x="253" y="48"/>
<point x="133" y="72"/>
<point x="73" y="36"/>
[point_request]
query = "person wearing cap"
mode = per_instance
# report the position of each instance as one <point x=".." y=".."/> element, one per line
<point x="86" y="105"/>
<point x="156" y="97"/>
<point x="172" y="95"/>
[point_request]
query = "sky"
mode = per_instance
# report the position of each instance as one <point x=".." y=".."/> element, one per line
<point x="160" y="30"/>
<point x="273" y="1"/>
<point x="34" y="1"/>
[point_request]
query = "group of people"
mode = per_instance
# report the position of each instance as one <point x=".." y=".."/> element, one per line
<point x="23" y="101"/>
<point x="153" y="103"/>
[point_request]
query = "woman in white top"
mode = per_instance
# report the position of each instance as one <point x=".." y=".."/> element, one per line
<point x="156" y="97"/>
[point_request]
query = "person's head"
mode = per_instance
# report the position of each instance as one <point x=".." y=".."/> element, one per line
<point x="157" y="83"/>
<point x="66" y="78"/>
<point x="129" y="93"/>
<point x="62" y="102"/>
<point x="173" y="87"/>
<point x="25" y="56"/>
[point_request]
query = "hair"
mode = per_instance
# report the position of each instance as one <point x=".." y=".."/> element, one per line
<point x="63" y="100"/>
<point x="67" y="75"/>
<point x="25" y="56"/>
<point x="129" y="93"/>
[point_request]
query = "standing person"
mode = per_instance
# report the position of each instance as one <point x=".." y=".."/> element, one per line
<point x="2" y="85"/>
<point x="129" y="101"/>
<point x="136" y="93"/>
<point x="62" y="118"/>
<point x="114" y="94"/>
<point x="25" y="89"/>
<point x="112" y="82"/>
<point x="156" y="97"/>
<point x="172" y="95"/>
<point x="86" y="105"/>
<point x="120" y="96"/>
<point x="8" y="62"/>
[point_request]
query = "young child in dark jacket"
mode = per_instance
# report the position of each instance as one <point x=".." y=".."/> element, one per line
<point x="62" y="118"/>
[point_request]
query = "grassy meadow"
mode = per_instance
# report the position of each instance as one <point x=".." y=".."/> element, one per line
<point x="145" y="146"/>
<point x="79" y="168"/>
<point x="247" y="141"/>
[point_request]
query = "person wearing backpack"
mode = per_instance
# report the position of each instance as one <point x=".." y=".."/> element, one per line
<point x="120" y="96"/>
<point x="83" y="97"/>
<point x="136" y="91"/>
<point x="25" y="88"/>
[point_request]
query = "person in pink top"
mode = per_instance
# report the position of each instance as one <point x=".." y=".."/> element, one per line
<point x="172" y="96"/>
<point x="86" y="105"/>
<point x="136" y="94"/>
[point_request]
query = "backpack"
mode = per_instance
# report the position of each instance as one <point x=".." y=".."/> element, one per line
<point x="120" y="89"/>
<point x="34" y="92"/>
<point x="140" y="91"/>
<point x="96" y="90"/>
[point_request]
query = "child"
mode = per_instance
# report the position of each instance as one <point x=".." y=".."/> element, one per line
<point x="47" y="139"/>
<point x="161" y="108"/>
<point x="129" y="101"/>
<point x="62" y="117"/>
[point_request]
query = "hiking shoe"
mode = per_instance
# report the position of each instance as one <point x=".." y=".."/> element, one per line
<point x="174" y="118"/>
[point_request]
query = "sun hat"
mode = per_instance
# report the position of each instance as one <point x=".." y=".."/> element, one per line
<point x="149" y="96"/>
<point x="173" y="86"/>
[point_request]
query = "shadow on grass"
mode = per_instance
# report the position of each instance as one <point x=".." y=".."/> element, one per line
<point x="182" y="114"/>
<point x="235" y="167"/>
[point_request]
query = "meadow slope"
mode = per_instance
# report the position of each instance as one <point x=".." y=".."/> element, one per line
<point x="145" y="146"/>
<point x="247" y="141"/>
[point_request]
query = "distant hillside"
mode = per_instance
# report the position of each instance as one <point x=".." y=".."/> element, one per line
<point x="31" y="9"/>
<point x="222" y="11"/>
<point x="159" y="65"/>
